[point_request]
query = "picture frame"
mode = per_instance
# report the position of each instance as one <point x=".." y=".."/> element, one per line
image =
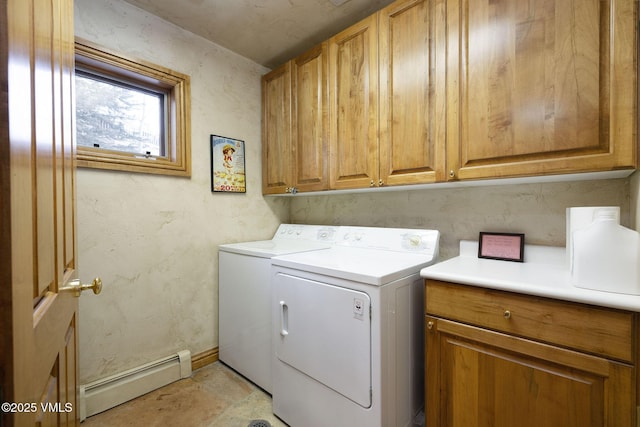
<point x="501" y="246"/>
<point x="228" y="173"/>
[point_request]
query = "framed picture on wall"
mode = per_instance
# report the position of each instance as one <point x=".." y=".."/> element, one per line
<point x="227" y="165"/>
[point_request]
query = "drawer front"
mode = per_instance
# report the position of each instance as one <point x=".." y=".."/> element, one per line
<point x="597" y="330"/>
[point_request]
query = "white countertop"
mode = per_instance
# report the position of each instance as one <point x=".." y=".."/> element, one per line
<point x="544" y="273"/>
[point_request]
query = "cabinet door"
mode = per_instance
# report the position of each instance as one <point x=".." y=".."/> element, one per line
<point x="353" y="93"/>
<point x="277" y="159"/>
<point x="310" y="132"/>
<point x="412" y="114"/>
<point x="537" y="87"/>
<point x="476" y="378"/>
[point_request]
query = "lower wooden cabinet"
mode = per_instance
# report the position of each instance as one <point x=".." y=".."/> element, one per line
<point x="499" y="359"/>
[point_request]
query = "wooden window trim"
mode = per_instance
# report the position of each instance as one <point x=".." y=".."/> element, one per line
<point x="178" y="158"/>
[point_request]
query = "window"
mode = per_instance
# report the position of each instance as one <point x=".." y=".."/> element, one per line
<point x="130" y="115"/>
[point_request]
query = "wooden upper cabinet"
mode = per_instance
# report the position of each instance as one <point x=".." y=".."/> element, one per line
<point x="309" y="124"/>
<point x="295" y="125"/>
<point x="277" y="158"/>
<point x="412" y="85"/>
<point x="540" y="87"/>
<point x="353" y="94"/>
<point x="429" y="91"/>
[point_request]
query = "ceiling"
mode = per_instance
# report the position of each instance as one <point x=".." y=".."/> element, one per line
<point x="269" y="32"/>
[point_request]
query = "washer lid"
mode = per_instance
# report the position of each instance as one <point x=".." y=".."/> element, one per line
<point x="369" y="266"/>
<point x="271" y="248"/>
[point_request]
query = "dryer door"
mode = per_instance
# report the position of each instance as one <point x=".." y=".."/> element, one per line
<point x="324" y="331"/>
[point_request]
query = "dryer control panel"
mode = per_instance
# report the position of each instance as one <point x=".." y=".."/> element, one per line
<point x="390" y="239"/>
<point x="319" y="233"/>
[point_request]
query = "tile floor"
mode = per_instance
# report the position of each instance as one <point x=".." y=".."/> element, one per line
<point x="214" y="396"/>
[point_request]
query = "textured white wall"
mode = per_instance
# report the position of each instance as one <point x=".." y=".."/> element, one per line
<point x="154" y="239"/>
<point x="538" y="210"/>
<point x="635" y="201"/>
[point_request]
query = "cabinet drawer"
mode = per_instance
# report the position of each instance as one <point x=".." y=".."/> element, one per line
<point x="597" y="330"/>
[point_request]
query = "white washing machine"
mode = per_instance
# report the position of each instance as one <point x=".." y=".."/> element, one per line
<point x="245" y="294"/>
<point x="348" y="330"/>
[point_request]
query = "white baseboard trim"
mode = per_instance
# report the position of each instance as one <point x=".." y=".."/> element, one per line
<point x="106" y="393"/>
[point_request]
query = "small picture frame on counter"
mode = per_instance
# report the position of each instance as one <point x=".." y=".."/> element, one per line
<point x="501" y="246"/>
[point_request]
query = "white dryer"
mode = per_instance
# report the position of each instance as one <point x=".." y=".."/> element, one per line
<point x="245" y="294"/>
<point x="348" y="330"/>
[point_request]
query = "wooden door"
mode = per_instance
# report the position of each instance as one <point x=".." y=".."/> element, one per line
<point x="353" y="97"/>
<point x="479" y="378"/>
<point x="412" y="83"/>
<point x="309" y="119"/>
<point x="277" y="157"/>
<point x="39" y="348"/>
<point x="536" y="87"/>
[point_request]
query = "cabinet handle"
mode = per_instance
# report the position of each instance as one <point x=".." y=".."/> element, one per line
<point x="380" y="183"/>
<point x="371" y="184"/>
<point x="452" y="173"/>
<point x="507" y="314"/>
<point x="430" y="325"/>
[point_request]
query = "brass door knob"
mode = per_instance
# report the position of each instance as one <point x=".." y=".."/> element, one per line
<point x="76" y="287"/>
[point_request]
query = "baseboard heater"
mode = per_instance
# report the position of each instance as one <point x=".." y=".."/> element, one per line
<point x="109" y="392"/>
